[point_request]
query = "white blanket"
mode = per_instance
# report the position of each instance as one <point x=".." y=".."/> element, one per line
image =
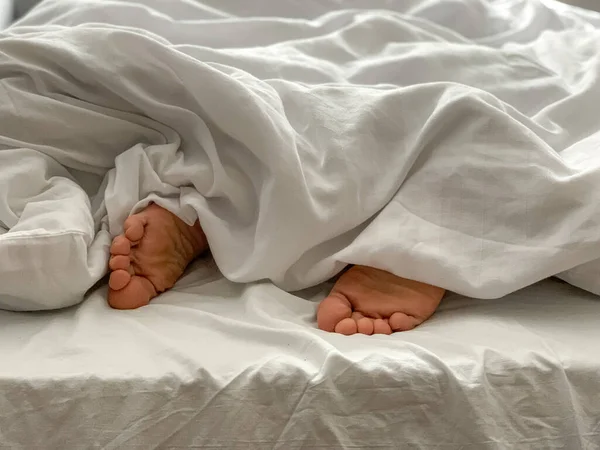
<point x="461" y="153"/>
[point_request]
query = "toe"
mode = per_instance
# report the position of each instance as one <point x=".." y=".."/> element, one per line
<point x="381" y="326"/>
<point x="347" y="327"/>
<point x="119" y="279"/>
<point x="365" y="326"/>
<point x="402" y="322"/>
<point x="120" y="246"/>
<point x="119" y="262"/>
<point x="138" y="293"/>
<point x="332" y="311"/>
<point x="134" y="227"/>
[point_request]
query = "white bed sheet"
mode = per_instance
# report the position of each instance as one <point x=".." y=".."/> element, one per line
<point x="218" y="365"/>
<point x="587" y="4"/>
<point x="6" y="13"/>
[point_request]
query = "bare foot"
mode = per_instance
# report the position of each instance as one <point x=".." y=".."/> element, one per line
<point x="371" y="301"/>
<point x="150" y="256"/>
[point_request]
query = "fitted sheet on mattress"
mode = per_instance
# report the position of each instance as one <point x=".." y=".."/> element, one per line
<point x="218" y="365"/>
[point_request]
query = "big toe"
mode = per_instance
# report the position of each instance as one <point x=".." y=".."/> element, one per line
<point x="333" y="310"/>
<point x="138" y="292"/>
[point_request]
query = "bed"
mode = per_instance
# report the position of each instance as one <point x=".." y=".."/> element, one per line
<point x="222" y="365"/>
<point x="216" y="365"/>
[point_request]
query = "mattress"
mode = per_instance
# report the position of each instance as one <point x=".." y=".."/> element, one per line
<point x="214" y="364"/>
<point x="219" y="365"/>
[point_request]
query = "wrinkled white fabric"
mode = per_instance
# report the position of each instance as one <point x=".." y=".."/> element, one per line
<point x="454" y="143"/>
<point x="221" y="366"/>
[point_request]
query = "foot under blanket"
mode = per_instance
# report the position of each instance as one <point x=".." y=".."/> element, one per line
<point x="441" y="141"/>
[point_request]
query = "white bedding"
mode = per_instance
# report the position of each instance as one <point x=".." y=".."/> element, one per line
<point x="216" y="365"/>
<point x="453" y="143"/>
<point x="213" y="364"/>
<point x="6" y="13"/>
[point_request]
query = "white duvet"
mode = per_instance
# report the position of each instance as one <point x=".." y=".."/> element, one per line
<point x="408" y="136"/>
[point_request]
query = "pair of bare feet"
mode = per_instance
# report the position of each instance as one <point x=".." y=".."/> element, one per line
<point x="156" y="247"/>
